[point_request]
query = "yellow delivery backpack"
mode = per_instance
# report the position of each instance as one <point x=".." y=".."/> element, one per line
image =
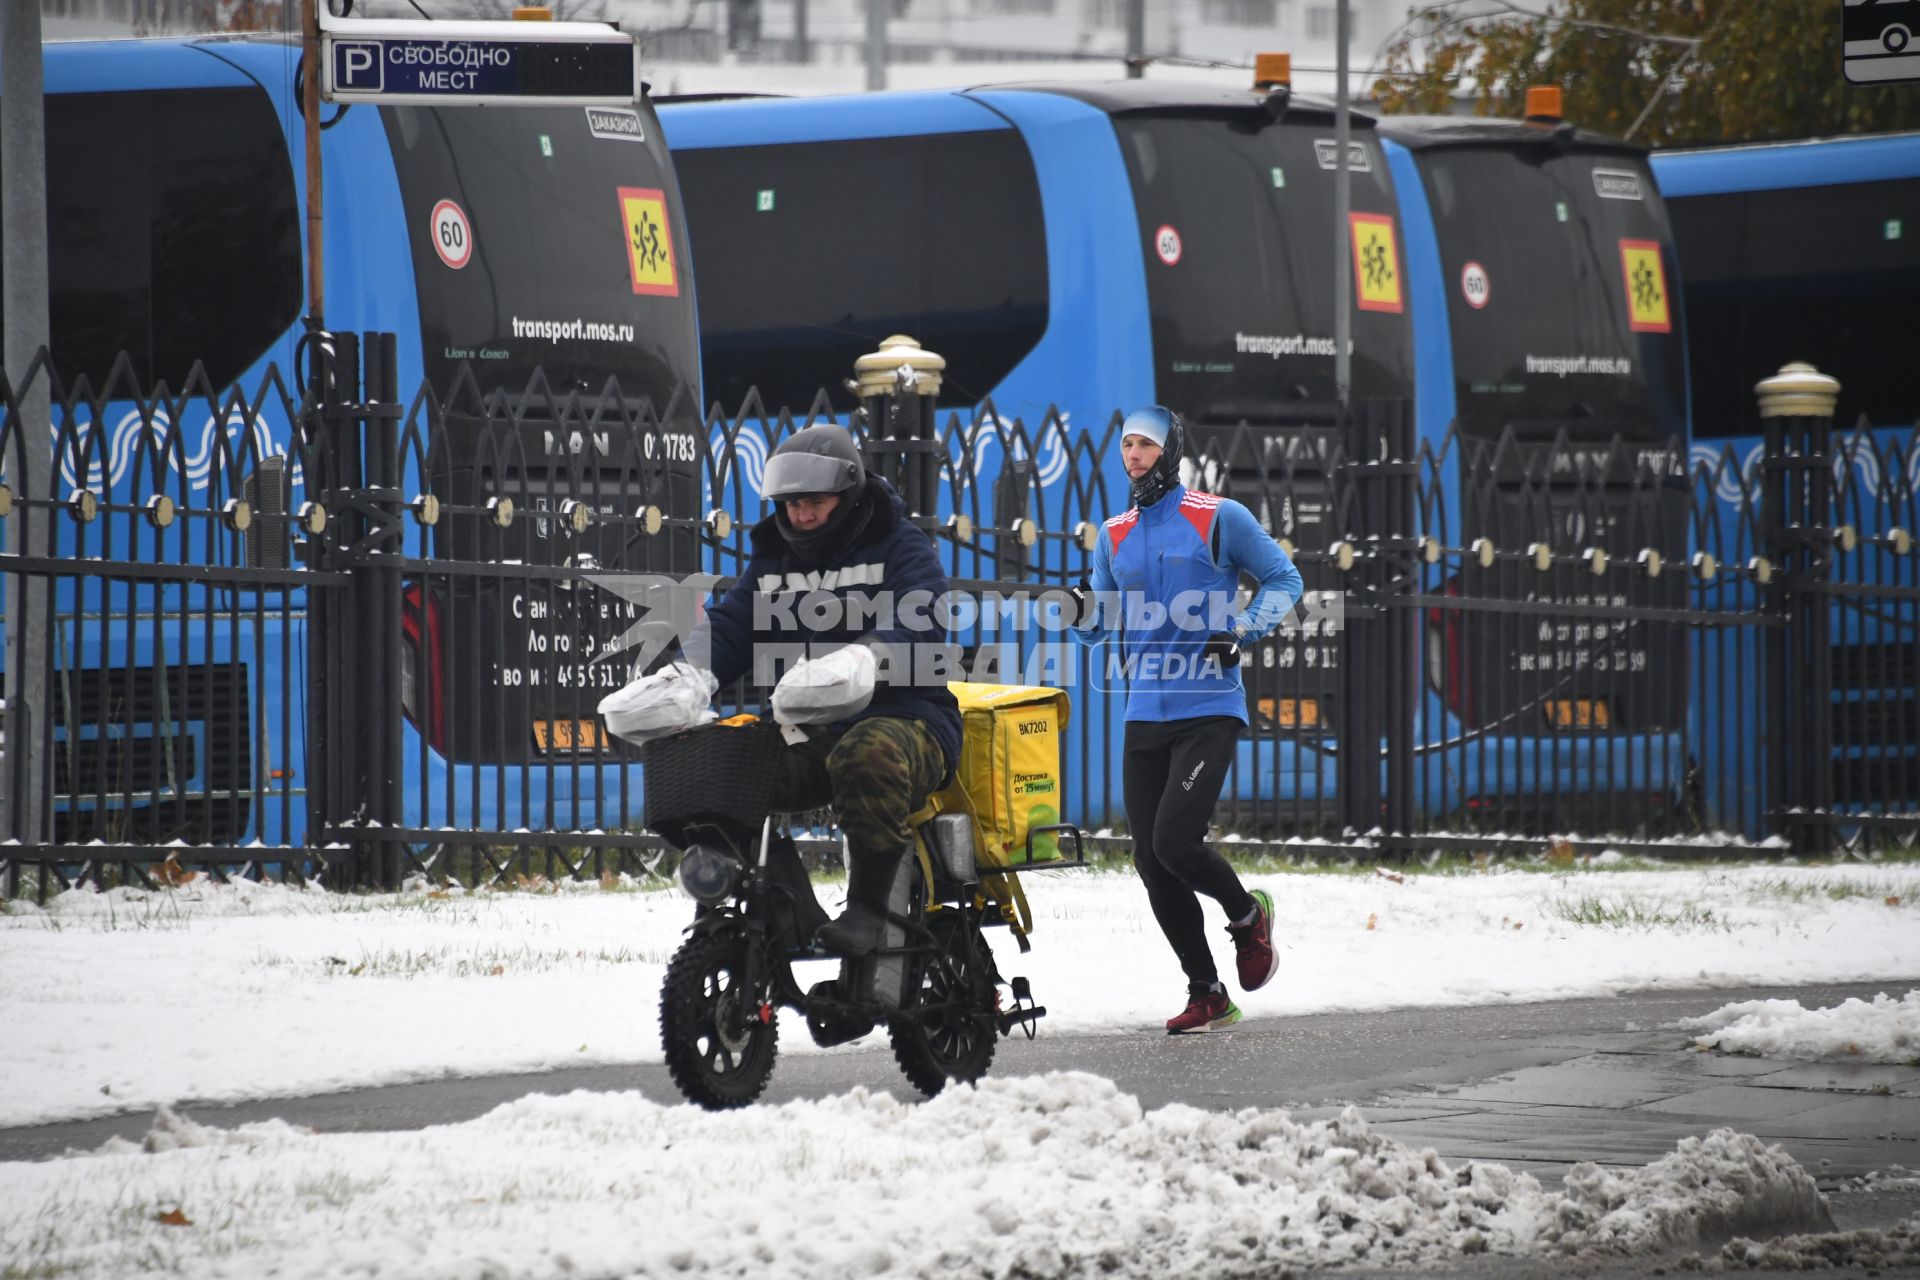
<point x="1008" y="780"/>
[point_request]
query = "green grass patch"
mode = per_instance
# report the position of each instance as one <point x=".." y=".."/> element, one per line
<point x="1636" y="914"/>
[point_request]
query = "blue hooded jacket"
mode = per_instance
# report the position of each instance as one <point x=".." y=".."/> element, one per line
<point x="1165" y="577"/>
<point x="880" y="589"/>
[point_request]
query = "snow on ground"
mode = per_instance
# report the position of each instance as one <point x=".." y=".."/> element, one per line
<point x="1881" y="1030"/>
<point x="1040" y="1176"/>
<point x="209" y="993"/>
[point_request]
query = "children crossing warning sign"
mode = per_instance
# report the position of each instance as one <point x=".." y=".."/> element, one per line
<point x="1648" y="310"/>
<point x="1376" y="263"/>
<point x="643" y="214"/>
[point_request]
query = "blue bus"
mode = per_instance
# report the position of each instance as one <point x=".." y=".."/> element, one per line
<point x="1549" y="337"/>
<point x="494" y="243"/>
<point x="1073" y="249"/>
<point x="1810" y="251"/>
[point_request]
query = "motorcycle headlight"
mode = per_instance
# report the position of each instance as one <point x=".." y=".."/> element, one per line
<point x="708" y="874"/>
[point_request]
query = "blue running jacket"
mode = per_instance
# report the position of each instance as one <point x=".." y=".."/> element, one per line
<point x="1164" y="579"/>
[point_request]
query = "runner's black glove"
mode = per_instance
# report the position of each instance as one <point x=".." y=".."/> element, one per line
<point x="1223" y="649"/>
<point x="1085" y="608"/>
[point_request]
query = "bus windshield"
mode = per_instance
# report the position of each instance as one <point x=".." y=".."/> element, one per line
<point x="1562" y="296"/>
<point x="1237" y="231"/>
<point x="1236" y="225"/>
<point x="550" y="239"/>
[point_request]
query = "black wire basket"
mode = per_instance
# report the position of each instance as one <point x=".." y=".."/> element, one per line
<point x="715" y="773"/>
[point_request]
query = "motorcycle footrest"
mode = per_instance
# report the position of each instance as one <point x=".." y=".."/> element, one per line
<point x="1023" y="1017"/>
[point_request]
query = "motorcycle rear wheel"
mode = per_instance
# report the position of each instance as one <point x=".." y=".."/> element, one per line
<point x="957" y="1042"/>
<point x="720" y="1039"/>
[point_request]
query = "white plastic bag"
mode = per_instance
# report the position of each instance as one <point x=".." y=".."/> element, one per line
<point x="823" y="690"/>
<point x="676" y="697"/>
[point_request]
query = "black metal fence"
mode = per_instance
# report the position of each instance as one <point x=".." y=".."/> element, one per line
<point x="318" y="631"/>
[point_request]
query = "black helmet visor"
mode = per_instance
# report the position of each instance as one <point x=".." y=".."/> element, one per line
<point x="795" y="475"/>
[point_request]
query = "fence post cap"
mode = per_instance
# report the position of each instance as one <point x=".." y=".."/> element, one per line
<point x="875" y="372"/>
<point x="1798" y="391"/>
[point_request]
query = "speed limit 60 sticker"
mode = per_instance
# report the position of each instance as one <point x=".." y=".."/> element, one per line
<point x="1474" y="285"/>
<point x="452" y="234"/>
<point x="1166" y="243"/>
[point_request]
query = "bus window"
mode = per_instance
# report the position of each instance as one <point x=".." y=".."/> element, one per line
<point x="1551" y="333"/>
<point x="1236" y="225"/>
<point x="1826" y="274"/>
<point x="158" y="202"/>
<point x="809" y="254"/>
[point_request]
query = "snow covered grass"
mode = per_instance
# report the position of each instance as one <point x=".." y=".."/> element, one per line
<point x="211" y="993"/>
<point x="1041" y="1177"/>
<point x="1880" y="1030"/>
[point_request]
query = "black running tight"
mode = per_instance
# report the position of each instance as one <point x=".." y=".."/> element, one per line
<point x="1173" y="773"/>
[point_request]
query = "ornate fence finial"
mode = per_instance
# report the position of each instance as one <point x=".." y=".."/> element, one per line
<point x="877" y="373"/>
<point x="1798" y="391"/>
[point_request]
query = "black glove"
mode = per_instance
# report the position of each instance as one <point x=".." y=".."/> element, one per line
<point x="1085" y="607"/>
<point x="1222" y="648"/>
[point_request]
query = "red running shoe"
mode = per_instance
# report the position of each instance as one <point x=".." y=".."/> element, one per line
<point x="1208" y="1009"/>
<point x="1253" y="945"/>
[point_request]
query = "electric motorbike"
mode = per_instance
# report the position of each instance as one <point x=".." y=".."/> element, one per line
<point x="934" y="983"/>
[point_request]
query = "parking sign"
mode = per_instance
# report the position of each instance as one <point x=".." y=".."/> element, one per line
<point x="1878" y="40"/>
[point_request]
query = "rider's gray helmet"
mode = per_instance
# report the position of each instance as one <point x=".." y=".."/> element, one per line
<point x="818" y="460"/>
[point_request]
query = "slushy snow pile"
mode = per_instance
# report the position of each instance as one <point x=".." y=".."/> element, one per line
<point x="1040" y="1176"/>
<point x="1880" y="1030"/>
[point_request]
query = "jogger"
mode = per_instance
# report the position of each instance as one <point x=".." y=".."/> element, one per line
<point x="1165" y="575"/>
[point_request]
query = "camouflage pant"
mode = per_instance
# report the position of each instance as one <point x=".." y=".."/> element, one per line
<point x="876" y="773"/>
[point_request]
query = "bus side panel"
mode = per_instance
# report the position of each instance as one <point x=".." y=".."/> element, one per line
<point x="1434" y="409"/>
<point x="1097" y="355"/>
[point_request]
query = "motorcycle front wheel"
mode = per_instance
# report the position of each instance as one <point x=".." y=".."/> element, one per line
<point x="720" y="1037"/>
<point x="949" y="1032"/>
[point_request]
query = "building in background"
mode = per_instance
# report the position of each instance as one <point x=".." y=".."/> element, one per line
<point x="820" y="46"/>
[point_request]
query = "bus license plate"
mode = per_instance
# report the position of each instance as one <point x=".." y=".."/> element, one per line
<point x="568" y="735"/>
<point x="1578" y="713"/>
